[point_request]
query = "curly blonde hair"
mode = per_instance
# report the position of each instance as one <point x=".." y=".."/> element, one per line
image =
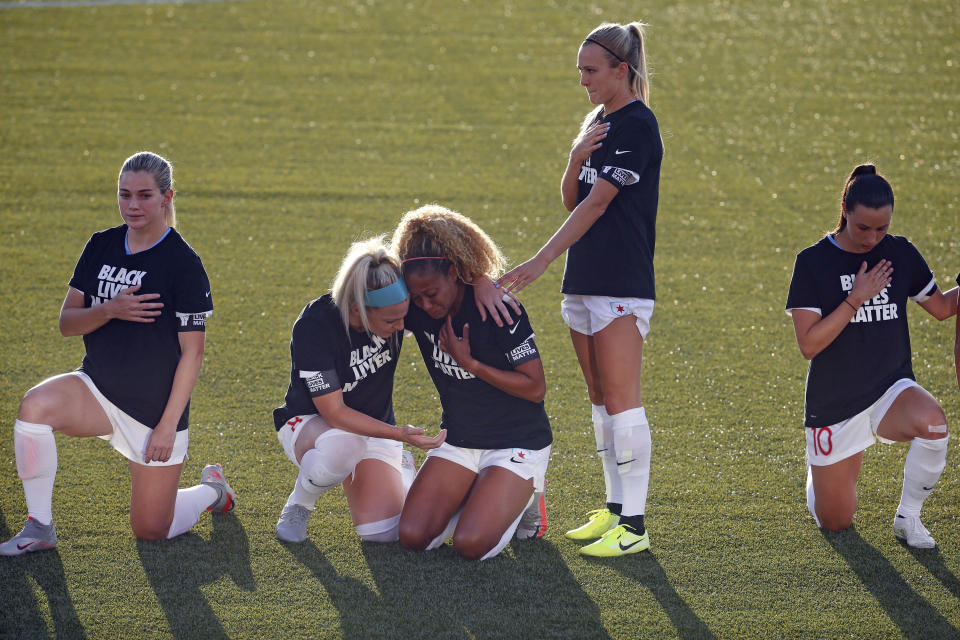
<point x="434" y="231"/>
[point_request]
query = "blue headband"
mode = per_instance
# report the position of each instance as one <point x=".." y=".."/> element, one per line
<point x="384" y="297"/>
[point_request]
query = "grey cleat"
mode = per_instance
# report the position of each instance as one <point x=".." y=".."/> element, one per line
<point x="34" y="537"/>
<point x="292" y="525"/>
<point x="533" y="522"/>
<point x="212" y="475"/>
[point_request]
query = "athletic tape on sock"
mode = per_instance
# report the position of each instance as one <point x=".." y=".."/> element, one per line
<point x="380" y="531"/>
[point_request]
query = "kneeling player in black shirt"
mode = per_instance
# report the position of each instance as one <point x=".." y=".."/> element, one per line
<point x="480" y="483"/>
<point x="337" y="423"/>
<point x="848" y="299"/>
<point x="140" y="298"/>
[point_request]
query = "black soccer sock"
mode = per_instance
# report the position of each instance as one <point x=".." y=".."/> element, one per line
<point x="634" y="522"/>
<point x="615" y="507"/>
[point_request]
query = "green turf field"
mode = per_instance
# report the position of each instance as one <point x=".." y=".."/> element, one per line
<point x="297" y="126"/>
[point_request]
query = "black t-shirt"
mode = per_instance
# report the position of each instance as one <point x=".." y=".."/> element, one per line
<point x="615" y="256"/>
<point x="476" y="414"/>
<point x="133" y="363"/>
<point x="873" y="350"/>
<point x="324" y="359"/>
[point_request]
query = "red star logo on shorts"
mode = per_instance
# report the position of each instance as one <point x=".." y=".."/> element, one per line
<point x="619" y="308"/>
<point x="521" y="454"/>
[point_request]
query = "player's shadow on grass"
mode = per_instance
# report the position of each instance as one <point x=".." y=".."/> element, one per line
<point x="363" y="613"/>
<point x="178" y="568"/>
<point x="910" y="611"/>
<point x="527" y="591"/>
<point x="20" y="614"/>
<point x="933" y="561"/>
<point x="644" y="568"/>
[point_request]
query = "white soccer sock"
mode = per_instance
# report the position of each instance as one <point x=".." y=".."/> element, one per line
<point x="504" y="539"/>
<point x="631" y="439"/>
<point x="334" y="457"/>
<point x="190" y="505"/>
<point x="603" y="433"/>
<point x="381" y="531"/>
<point x="811" y="497"/>
<point x="408" y="471"/>
<point x="925" y="462"/>
<point x="447" y="532"/>
<point x="36" y="451"/>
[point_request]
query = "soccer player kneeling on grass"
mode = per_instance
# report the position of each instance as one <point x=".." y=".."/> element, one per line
<point x="337" y="423"/>
<point x="848" y="300"/>
<point x="140" y="298"/>
<point x="485" y="483"/>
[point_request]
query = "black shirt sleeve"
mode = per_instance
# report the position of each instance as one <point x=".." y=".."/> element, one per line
<point x="516" y="340"/>
<point x="628" y="154"/>
<point x="82" y="267"/>
<point x="315" y="356"/>
<point x="192" y="302"/>
<point x="803" y="291"/>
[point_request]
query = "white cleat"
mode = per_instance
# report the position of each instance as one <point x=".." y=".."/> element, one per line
<point x="911" y="530"/>
<point x="34" y="537"/>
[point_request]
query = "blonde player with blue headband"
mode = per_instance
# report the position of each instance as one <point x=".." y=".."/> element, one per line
<point x="337" y="423"/>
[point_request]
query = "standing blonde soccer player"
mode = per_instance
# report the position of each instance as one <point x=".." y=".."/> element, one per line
<point x="848" y="300"/>
<point x="611" y="187"/>
<point x="140" y="298"/>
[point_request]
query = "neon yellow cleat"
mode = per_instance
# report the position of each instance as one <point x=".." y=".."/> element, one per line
<point x="619" y="541"/>
<point x="601" y="521"/>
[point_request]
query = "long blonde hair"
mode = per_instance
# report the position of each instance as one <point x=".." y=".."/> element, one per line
<point x="621" y="43"/>
<point x="368" y="265"/>
<point x="434" y="231"/>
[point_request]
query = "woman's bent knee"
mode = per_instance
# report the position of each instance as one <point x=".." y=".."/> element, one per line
<point x="412" y="536"/>
<point x="473" y="546"/>
<point x="39" y="406"/>
<point x="150" y="531"/>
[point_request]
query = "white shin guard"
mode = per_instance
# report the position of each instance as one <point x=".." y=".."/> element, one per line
<point x="380" y="531"/>
<point x="925" y="462"/>
<point x="603" y="433"/>
<point x="811" y="497"/>
<point x="631" y="440"/>
<point x="334" y="457"/>
<point x="36" y="451"/>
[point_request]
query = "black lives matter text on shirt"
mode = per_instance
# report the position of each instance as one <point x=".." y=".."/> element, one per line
<point x="325" y="357"/>
<point x="476" y="414"/>
<point x="133" y="363"/>
<point x="615" y="256"/>
<point x="873" y="350"/>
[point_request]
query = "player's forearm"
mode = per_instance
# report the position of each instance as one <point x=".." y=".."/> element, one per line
<point x="184" y="380"/>
<point x="823" y="332"/>
<point x="568" y="185"/>
<point x="576" y="224"/>
<point x="514" y="382"/>
<point x="347" y="419"/>
<point x="79" y="321"/>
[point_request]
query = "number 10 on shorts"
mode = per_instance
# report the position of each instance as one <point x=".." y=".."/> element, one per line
<point x="822" y="441"/>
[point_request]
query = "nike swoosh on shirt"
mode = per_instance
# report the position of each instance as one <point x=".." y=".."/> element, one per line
<point x="513" y="328"/>
<point x="620" y="153"/>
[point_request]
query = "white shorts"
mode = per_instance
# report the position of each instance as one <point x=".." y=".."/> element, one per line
<point x="389" y="451"/>
<point x="827" y="445"/>
<point x="129" y="436"/>
<point x="591" y="314"/>
<point x="526" y="463"/>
